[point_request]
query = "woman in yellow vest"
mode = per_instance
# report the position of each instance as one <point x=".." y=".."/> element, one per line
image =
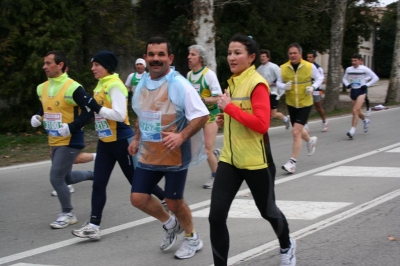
<point x="109" y="103"/>
<point x="246" y="120"/>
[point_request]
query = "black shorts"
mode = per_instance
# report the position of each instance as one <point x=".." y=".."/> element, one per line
<point x="299" y="115"/>
<point x="354" y="93"/>
<point x="273" y="101"/>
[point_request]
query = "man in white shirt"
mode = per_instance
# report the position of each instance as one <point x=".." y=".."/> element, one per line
<point x="270" y="72"/>
<point x="356" y="79"/>
<point x="134" y="78"/>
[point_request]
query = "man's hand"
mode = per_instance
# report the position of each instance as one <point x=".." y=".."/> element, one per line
<point x="36" y="120"/>
<point x="93" y="105"/>
<point x="172" y="140"/>
<point x="309" y="90"/>
<point x="64" y="130"/>
<point x="349" y="86"/>
<point x="364" y="87"/>
<point x="288" y="85"/>
<point x="133" y="147"/>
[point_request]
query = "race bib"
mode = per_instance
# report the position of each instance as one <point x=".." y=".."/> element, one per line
<point x="355" y="82"/>
<point x="52" y="122"/>
<point x="150" y="126"/>
<point x="101" y="126"/>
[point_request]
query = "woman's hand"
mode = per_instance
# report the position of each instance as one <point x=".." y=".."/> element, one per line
<point x="224" y="100"/>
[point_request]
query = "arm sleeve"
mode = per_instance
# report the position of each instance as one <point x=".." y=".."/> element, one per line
<point x="279" y="82"/>
<point x="374" y="77"/>
<point x="119" y="106"/>
<point x="318" y="78"/>
<point x="213" y="83"/>
<point x="259" y="121"/>
<point x="81" y="98"/>
<point x="194" y="107"/>
<point x="345" y="78"/>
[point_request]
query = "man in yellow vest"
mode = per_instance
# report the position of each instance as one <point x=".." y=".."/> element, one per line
<point x="63" y="115"/>
<point x="299" y="79"/>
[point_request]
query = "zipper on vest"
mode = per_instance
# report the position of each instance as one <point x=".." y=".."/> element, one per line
<point x="263" y="151"/>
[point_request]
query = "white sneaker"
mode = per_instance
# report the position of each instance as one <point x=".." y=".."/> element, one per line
<point x="209" y="184"/>
<point x="311" y="145"/>
<point x="289" y="167"/>
<point x="325" y="126"/>
<point x="368" y="112"/>
<point x="350" y="135"/>
<point x="164" y="204"/>
<point x="64" y="219"/>
<point x="170" y="236"/>
<point x="71" y="190"/>
<point x="217" y="153"/>
<point x="189" y="247"/>
<point x="287" y="123"/>
<point x="306" y="128"/>
<point x="87" y="231"/>
<point x="289" y="257"/>
<point x="366" y="125"/>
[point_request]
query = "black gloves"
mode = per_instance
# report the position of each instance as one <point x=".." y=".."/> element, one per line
<point x="364" y="87"/>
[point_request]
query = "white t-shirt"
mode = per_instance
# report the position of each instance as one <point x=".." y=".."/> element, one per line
<point x="270" y="72"/>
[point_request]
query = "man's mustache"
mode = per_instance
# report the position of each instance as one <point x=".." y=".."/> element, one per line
<point x="156" y="63"/>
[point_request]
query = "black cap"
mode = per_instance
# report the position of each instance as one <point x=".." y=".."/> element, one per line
<point x="107" y="59"/>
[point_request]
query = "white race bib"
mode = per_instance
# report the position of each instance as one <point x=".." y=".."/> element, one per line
<point x="52" y="122"/>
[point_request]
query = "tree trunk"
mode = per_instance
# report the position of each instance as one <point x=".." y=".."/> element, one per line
<point x="335" y="70"/>
<point x="204" y="29"/>
<point x="393" y="93"/>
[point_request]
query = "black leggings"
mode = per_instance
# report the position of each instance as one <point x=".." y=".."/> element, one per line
<point x="227" y="183"/>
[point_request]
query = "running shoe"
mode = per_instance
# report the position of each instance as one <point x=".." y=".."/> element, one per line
<point x="350" y="135"/>
<point x="306" y="128"/>
<point x="368" y="112"/>
<point x="288" y="258"/>
<point x="164" y="204"/>
<point x="217" y="153"/>
<point x="189" y="247"/>
<point x="325" y="126"/>
<point x="311" y="145"/>
<point x="209" y="184"/>
<point x="70" y="187"/>
<point x="287" y="123"/>
<point x="87" y="231"/>
<point x="170" y="236"/>
<point x="289" y="167"/>
<point x="366" y="125"/>
<point x="64" y="219"/>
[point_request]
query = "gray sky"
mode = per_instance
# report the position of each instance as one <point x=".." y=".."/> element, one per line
<point x="386" y="2"/>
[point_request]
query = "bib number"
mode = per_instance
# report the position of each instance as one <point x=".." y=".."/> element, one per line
<point x="101" y="126"/>
<point x="150" y="126"/>
<point x="52" y="122"/>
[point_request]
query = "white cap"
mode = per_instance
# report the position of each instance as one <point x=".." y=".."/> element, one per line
<point x="140" y="61"/>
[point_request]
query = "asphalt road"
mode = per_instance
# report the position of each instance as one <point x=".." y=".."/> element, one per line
<point x="342" y="204"/>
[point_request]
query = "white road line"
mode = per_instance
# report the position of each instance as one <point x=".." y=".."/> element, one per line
<point x="273" y="245"/>
<point x="293" y="210"/>
<point x="69" y="242"/>
<point x="362" y="171"/>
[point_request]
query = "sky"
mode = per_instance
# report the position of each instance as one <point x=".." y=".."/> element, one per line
<point x="386" y="2"/>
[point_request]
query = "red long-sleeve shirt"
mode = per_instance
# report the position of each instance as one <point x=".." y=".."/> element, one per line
<point x="260" y="120"/>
